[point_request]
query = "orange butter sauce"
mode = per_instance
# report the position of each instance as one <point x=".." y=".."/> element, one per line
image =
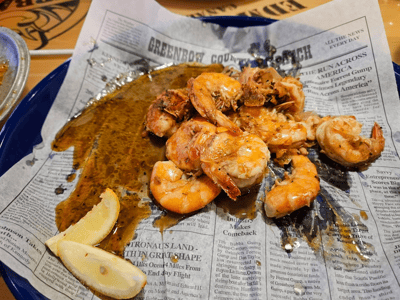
<point x="111" y="152"/>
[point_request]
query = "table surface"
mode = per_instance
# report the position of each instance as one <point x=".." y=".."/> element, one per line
<point x="61" y="31"/>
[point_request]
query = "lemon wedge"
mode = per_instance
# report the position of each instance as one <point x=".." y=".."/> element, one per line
<point x="104" y="272"/>
<point x="94" y="226"/>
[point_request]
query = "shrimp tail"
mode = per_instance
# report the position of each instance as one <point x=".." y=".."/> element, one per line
<point x="378" y="141"/>
<point x="222" y="179"/>
<point x="377" y="132"/>
<point x="223" y="121"/>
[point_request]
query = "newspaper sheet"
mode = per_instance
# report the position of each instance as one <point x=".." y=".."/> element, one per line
<point x="346" y="246"/>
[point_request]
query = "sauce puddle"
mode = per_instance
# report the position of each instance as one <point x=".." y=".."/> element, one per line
<point x="112" y="153"/>
<point x="245" y="207"/>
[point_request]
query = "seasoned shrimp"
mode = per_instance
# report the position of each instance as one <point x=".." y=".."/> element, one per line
<point x="266" y="85"/>
<point x="339" y="138"/>
<point x="186" y="144"/>
<point x="167" y="110"/>
<point x="290" y="90"/>
<point x="311" y="121"/>
<point x="214" y="93"/>
<point x="234" y="162"/>
<point x="258" y="85"/>
<point x="297" y="190"/>
<point x="289" y="135"/>
<point x="274" y="128"/>
<point x="178" y="193"/>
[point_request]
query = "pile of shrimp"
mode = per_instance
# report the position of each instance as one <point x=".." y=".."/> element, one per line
<point x="222" y="132"/>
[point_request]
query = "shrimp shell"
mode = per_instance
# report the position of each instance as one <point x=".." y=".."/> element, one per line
<point x="258" y="85"/>
<point x="291" y="89"/>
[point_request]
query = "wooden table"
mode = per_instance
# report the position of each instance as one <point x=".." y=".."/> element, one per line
<point x="56" y="25"/>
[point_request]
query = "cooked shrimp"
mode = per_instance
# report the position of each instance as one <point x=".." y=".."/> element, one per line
<point x="289" y="135"/>
<point x="167" y="110"/>
<point x="186" y="144"/>
<point x="339" y="138"/>
<point x="297" y="190"/>
<point x="290" y="90"/>
<point x="274" y="128"/>
<point x="266" y="85"/>
<point x="214" y="93"/>
<point x="178" y="193"/>
<point x="258" y="85"/>
<point x="311" y="121"/>
<point x="234" y="162"/>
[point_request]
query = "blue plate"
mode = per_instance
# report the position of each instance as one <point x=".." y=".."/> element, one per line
<point x="17" y="138"/>
<point x="23" y="130"/>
